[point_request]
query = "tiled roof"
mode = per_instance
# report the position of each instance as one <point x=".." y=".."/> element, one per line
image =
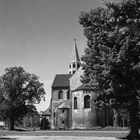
<point x="61" y="81"/>
<point x="47" y="112"/>
<point x="84" y="87"/>
<point x="65" y="104"/>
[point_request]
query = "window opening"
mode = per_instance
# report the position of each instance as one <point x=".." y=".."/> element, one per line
<point x="60" y="94"/>
<point x="63" y="122"/>
<point x="54" y="115"/>
<point x="75" y="102"/>
<point x="63" y="110"/>
<point x="78" y="65"/>
<point x="87" y="101"/>
<point x="68" y="94"/>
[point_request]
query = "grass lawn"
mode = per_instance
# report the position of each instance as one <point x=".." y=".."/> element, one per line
<point x="96" y="132"/>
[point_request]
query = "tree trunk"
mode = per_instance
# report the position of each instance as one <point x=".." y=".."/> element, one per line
<point x="11" y="123"/>
<point x="107" y="117"/>
<point x="134" y="129"/>
<point x="123" y="121"/>
<point x="115" y="118"/>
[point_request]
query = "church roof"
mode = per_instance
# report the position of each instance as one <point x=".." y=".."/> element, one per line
<point x="47" y="112"/>
<point x="61" y="81"/>
<point x="74" y="55"/>
<point x="65" y="104"/>
<point x="84" y="87"/>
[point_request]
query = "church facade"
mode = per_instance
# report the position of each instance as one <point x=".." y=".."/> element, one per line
<point x="71" y="102"/>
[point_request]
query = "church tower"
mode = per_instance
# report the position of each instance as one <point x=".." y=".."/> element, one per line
<point x="74" y="62"/>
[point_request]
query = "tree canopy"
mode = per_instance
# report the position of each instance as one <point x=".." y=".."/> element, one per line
<point x="111" y="62"/>
<point x="19" y="90"/>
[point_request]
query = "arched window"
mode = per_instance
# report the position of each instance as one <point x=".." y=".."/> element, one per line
<point x="75" y="102"/>
<point x="68" y="94"/>
<point x="87" y="101"/>
<point x="60" y="94"/>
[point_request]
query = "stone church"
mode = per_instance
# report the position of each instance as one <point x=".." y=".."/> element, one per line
<point x="71" y="104"/>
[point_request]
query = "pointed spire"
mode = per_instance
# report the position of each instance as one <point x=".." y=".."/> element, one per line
<point x="74" y="55"/>
<point x="74" y="62"/>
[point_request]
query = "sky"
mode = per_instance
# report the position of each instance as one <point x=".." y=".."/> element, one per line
<point x="39" y="35"/>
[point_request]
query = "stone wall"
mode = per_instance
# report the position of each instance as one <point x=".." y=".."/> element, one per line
<point x="62" y="118"/>
<point x="75" y="80"/>
<point x="55" y="102"/>
<point x="83" y="117"/>
<point x="55" y="94"/>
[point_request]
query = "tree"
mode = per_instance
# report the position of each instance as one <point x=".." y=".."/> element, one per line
<point x="44" y="124"/>
<point x="32" y="118"/>
<point x="19" y="91"/>
<point x="111" y="62"/>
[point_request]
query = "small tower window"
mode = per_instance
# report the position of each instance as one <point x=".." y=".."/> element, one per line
<point x="60" y="94"/>
<point x="87" y="101"/>
<point x="70" y="66"/>
<point x="78" y="65"/>
<point x="75" y="102"/>
<point x="74" y="65"/>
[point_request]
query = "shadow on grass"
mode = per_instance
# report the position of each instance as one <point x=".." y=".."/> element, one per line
<point x="130" y="138"/>
<point x="7" y="138"/>
<point x="19" y="130"/>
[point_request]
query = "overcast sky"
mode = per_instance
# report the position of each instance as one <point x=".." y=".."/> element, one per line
<point x="38" y="35"/>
